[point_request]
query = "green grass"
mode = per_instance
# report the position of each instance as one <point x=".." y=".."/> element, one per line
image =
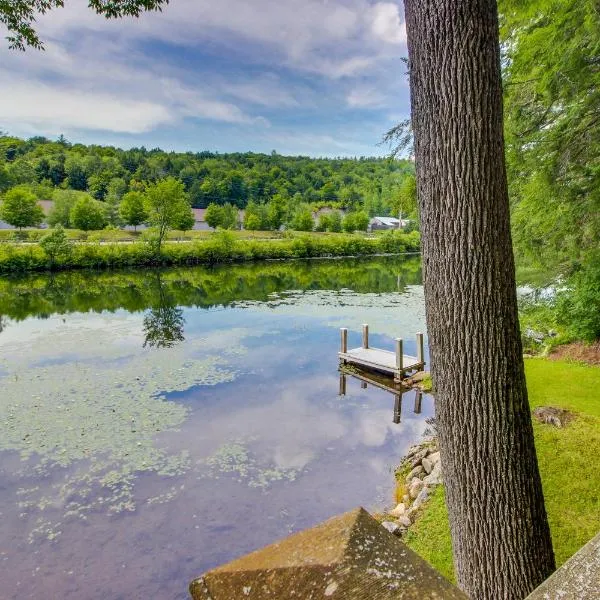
<point x="567" y="459"/>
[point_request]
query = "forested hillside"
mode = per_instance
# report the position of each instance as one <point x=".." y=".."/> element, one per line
<point x="107" y="173"/>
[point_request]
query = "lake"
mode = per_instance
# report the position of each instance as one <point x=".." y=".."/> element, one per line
<point x="155" y="424"/>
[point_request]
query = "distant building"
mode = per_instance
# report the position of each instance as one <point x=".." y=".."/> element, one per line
<point x="200" y="221"/>
<point x="383" y="223"/>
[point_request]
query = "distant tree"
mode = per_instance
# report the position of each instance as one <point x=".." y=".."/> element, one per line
<point x="277" y="209"/>
<point x="20" y="209"/>
<point x="361" y="220"/>
<point x="98" y="184"/>
<point x="252" y="222"/>
<point x="131" y="209"/>
<point x="214" y="215"/>
<point x="324" y="222"/>
<point x="349" y="223"/>
<point x="303" y="219"/>
<point x="186" y="221"/>
<point x="60" y="214"/>
<point x="335" y="221"/>
<point x="76" y="173"/>
<point x="188" y="175"/>
<point x="407" y="197"/>
<point x="88" y="214"/>
<point x="56" y="245"/>
<point x="230" y="217"/>
<point x="255" y="217"/>
<point x="115" y="191"/>
<point x="166" y="204"/>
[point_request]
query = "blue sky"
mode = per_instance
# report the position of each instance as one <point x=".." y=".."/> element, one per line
<point x="316" y="77"/>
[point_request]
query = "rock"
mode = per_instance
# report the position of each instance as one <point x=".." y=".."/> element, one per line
<point x="412" y="451"/>
<point x="551" y="415"/>
<point x="418" y="457"/>
<point x="434" y="457"/>
<point x="421" y="498"/>
<point x="411" y="512"/>
<point x="427" y="465"/>
<point x="435" y="477"/>
<point x="419" y="376"/>
<point x="415" y="487"/>
<point x="392" y="527"/>
<point x="406" y="499"/>
<point x="399" y="510"/>
<point x="404" y="521"/>
<point x="415" y="472"/>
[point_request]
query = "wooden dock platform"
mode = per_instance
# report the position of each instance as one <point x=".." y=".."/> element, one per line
<point x="396" y="363"/>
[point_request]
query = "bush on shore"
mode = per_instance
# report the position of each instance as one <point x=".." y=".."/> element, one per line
<point x="219" y="247"/>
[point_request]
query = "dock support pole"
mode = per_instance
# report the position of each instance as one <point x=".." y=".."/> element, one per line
<point x="399" y="356"/>
<point x="420" y="350"/>
<point x="418" y="400"/>
<point x="342" y="384"/>
<point x="365" y="336"/>
<point x="397" y="408"/>
<point x="343" y="340"/>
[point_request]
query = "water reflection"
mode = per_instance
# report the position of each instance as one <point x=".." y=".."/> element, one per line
<point x="383" y="382"/>
<point x="175" y="455"/>
<point x="163" y="324"/>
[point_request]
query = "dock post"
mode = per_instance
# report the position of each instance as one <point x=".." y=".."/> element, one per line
<point x="344" y="340"/>
<point x="365" y="336"/>
<point x="420" y="349"/>
<point x="418" y="399"/>
<point x="399" y="356"/>
<point x="397" y="408"/>
<point x="342" y="384"/>
<point x="363" y="385"/>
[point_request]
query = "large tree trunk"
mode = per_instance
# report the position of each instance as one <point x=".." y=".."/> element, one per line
<point x="500" y="535"/>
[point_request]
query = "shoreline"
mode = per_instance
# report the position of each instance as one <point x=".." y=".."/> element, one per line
<point x="17" y="258"/>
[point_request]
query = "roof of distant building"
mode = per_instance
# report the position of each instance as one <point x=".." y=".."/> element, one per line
<point x="392" y="221"/>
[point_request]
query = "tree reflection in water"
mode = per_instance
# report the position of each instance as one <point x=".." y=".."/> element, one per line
<point x="163" y="324"/>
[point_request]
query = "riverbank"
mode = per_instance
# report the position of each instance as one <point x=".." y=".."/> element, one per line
<point x="567" y="459"/>
<point x="220" y="247"/>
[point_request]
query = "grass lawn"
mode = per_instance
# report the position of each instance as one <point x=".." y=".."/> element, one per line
<point x="568" y="465"/>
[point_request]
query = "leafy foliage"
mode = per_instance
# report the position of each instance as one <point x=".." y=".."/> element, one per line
<point x="279" y="182"/>
<point x="167" y="206"/>
<point x="132" y="210"/>
<point x="552" y="108"/>
<point x="56" y="246"/>
<point x="87" y="214"/>
<point x="20" y="208"/>
<point x="215" y="249"/>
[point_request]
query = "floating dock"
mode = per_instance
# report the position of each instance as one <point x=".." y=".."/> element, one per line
<point x="394" y="363"/>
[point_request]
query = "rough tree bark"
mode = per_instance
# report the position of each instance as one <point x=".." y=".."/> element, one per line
<point x="500" y="535"/>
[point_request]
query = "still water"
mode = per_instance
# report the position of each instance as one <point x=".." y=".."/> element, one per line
<point x="154" y="424"/>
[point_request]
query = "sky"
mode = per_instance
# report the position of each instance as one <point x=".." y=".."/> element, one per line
<point x="310" y="77"/>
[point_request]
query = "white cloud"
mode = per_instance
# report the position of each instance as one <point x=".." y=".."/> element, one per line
<point x="34" y="105"/>
<point x="386" y="24"/>
<point x="310" y="56"/>
<point x="364" y="98"/>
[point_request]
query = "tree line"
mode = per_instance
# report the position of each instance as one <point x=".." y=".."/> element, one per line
<point x="375" y="185"/>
